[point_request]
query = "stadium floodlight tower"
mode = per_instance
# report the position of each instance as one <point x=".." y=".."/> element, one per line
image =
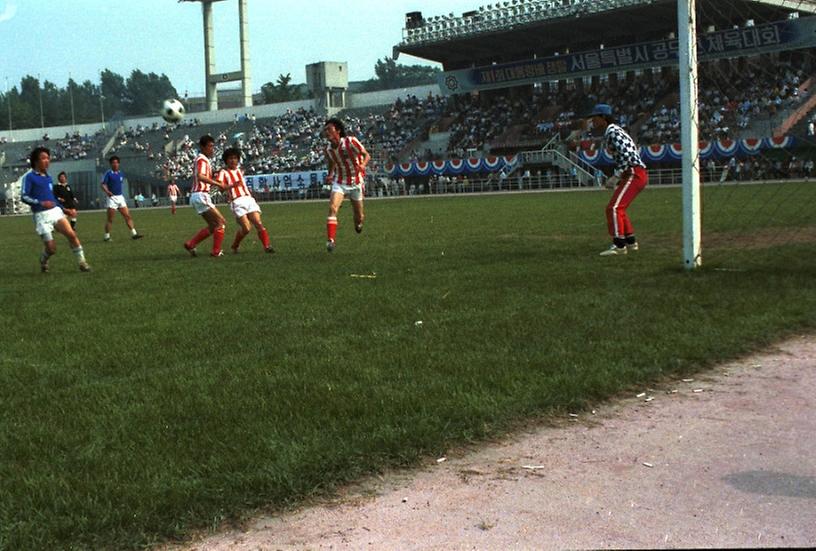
<point x="213" y="79"/>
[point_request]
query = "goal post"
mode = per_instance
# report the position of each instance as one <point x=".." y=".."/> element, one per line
<point x="689" y="135"/>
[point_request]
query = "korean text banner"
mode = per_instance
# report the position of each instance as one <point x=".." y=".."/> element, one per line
<point x="286" y="181"/>
<point x="790" y="34"/>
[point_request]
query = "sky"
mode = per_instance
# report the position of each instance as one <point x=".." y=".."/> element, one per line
<point x="58" y="38"/>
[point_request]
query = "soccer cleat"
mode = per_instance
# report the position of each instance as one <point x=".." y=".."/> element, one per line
<point x="137" y="236"/>
<point x="633" y="247"/>
<point x="44" y="264"/>
<point x="330" y="245"/>
<point x="359" y="228"/>
<point x="234" y="250"/>
<point x="191" y="250"/>
<point x="269" y="250"/>
<point x="217" y="255"/>
<point x="106" y="239"/>
<point x="614" y="250"/>
<point x="84" y="267"/>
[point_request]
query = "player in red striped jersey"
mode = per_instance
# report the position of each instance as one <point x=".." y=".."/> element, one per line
<point x="243" y="205"/>
<point x="347" y="160"/>
<point x="173" y="193"/>
<point x="202" y="202"/>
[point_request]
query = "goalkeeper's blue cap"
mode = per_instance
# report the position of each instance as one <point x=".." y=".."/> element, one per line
<point x="600" y="110"/>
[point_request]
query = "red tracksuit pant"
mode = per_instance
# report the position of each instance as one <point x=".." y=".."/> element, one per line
<point x="632" y="182"/>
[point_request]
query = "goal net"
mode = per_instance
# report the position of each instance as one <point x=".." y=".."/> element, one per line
<point x="756" y="83"/>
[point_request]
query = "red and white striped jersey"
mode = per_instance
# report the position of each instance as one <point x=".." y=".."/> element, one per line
<point x="347" y="161"/>
<point x="202" y="166"/>
<point x="234" y="179"/>
<point x="173" y="190"/>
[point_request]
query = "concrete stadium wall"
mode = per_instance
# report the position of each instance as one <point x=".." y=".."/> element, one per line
<point x="205" y="117"/>
<point x="387" y="97"/>
<point x="228" y="115"/>
<point x="54" y="132"/>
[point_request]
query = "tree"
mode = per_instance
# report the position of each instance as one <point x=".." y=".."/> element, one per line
<point x="86" y="102"/>
<point x="391" y="74"/>
<point x="115" y="91"/>
<point x="283" y="90"/>
<point x="52" y="109"/>
<point x="145" y="92"/>
<point x="387" y="72"/>
<point x="141" y="94"/>
<point x="27" y="104"/>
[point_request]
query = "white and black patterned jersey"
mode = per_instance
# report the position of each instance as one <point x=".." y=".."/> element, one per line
<point x="623" y="149"/>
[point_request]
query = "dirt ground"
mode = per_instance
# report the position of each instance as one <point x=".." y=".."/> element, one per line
<point x="727" y="459"/>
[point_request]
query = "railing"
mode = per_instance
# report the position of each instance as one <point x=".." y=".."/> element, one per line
<point x="582" y="164"/>
<point x="111" y="142"/>
<point x="549" y="181"/>
<point x="550" y="155"/>
<point x="551" y="143"/>
<point x="800" y="113"/>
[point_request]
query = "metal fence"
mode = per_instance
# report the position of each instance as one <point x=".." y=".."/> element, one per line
<point x="551" y="180"/>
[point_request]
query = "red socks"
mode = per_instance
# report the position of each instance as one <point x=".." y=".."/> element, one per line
<point x="331" y="227"/>
<point x="218" y="240"/>
<point x="199" y="237"/>
<point x="264" y="235"/>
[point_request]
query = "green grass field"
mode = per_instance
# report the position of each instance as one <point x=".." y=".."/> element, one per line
<point x="162" y="394"/>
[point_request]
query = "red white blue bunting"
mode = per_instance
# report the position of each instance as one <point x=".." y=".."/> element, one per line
<point x="452" y="167"/>
<point x="719" y="149"/>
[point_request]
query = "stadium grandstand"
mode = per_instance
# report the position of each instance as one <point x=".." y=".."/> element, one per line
<point x="517" y="75"/>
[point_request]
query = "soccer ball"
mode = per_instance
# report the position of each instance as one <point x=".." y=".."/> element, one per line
<point x="172" y="110"/>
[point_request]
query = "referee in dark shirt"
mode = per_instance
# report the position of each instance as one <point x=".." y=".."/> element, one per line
<point x="66" y="198"/>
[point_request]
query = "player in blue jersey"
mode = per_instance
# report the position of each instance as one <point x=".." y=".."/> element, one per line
<point x="38" y="193"/>
<point x="112" y="184"/>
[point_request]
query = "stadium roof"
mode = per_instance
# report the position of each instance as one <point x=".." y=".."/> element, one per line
<point x="523" y="29"/>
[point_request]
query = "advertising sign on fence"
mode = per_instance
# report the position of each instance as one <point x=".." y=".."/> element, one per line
<point x="286" y="181"/>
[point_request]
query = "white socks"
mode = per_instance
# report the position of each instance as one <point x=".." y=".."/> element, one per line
<point x="79" y="252"/>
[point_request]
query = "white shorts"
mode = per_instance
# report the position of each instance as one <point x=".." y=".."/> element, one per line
<point x="117" y="202"/>
<point x="44" y="222"/>
<point x="173" y="198"/>
<point x="355" y="192"/>
<point x="242" y="206"/>
<point x="201" y="202"/>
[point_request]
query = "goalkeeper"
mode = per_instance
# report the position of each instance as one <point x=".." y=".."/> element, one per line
<point x="628" y="180"/>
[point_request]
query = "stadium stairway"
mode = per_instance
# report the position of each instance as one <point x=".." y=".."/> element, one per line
<point x="796" y="122"/>
<point x="565" y="161"/>
<point x="437" y="144"/>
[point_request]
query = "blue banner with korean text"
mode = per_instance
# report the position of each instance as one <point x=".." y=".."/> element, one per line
<point x="286" y="181"/>
<point x="790" y="34"/>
